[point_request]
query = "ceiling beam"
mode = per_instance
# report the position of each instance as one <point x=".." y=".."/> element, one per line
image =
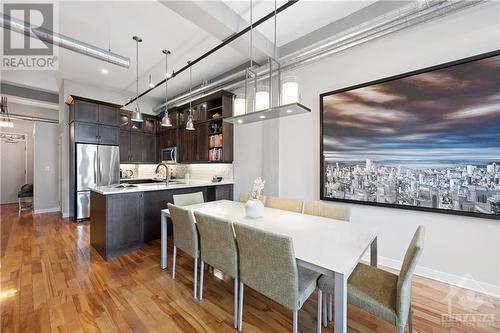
<point x="220" y="21"/>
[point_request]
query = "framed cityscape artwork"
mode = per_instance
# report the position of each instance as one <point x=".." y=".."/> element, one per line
<point x="426" y="140"/>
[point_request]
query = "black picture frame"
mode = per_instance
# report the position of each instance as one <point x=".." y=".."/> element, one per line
<point x="384" y="80"/>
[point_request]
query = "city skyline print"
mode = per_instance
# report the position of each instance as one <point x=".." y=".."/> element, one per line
<point x="425" y="140"/>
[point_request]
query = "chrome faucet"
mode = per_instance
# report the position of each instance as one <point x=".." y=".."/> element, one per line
<point x="167" y="171"/>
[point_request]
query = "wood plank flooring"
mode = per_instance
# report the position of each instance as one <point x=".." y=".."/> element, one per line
<point x="53" y="281"/>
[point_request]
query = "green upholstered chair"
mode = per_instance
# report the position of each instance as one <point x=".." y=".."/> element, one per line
<point x="218" y="249"/>
<point x="381" y="293"/>
<point x="327" y="210"/>
<point x="185" y="238"/>
<point x="290" y="205"/>
<point x="182" y="200"/>
<point x="268" y="265"/>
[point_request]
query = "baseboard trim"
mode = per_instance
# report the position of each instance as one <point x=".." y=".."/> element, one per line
<point x="466" y="282"/>
<point x="46" y="210"/>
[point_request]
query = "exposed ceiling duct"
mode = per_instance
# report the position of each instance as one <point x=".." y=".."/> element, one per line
<point x="63" y="41"/>
<point x="408" y="16"/>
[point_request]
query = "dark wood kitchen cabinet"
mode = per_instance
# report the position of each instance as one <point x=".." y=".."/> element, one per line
<point x="124" y="146"/>
<point x="136" y="147"/>
<point x="91" y="111"/>
<point x="92" y="133"/>
<point x="201" y="142"/>
<point x="126" y="233"/>
<point x="149" y="151"/>
<point x="167" y="138"/>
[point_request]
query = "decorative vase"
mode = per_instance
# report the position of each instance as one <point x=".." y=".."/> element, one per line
<point x="254" y="208"/>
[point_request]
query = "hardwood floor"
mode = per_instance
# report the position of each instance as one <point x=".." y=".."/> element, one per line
<point x="53" y="281"/>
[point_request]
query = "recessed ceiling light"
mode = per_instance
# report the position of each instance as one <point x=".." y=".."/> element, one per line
<point x="240" y="121"/>
<point x="169" y="75"/>
<point x="262" y="117"/>
<point x="289" y="111"/>
<point x="104" y="71"/>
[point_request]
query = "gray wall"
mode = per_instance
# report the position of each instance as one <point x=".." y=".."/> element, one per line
<point x="25" y="127"/>
<point x="46" y="167"/>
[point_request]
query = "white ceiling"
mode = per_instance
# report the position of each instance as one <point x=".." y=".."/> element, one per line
<point x="113" y="23"/>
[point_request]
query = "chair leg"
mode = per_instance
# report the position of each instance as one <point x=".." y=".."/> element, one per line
<point x="20" y="207"/>
<point x="235" y="301"/>
<point x="202" y="269"/>
<point x="330" y="308"/>
<point x="174" y="255"/>
<point x="240" y="309"/>
<point x="295" y="321"/>
<point x="320" y="308"/>
<point x="195" y="278"/>
<point x="410" y="319"/>
<point x="325" y="315"/>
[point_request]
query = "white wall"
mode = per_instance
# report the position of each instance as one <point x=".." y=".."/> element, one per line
<point x="46" y="168"/>
<point x="455" y="246"/>
<point x="24" y="127"/>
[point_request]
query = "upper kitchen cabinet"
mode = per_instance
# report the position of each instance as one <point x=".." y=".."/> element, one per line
<point x="91" y="111"/>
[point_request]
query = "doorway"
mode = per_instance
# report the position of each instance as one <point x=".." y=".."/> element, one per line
<point x="13" y="166"/>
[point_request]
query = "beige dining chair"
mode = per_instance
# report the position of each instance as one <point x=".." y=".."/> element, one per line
<point x="381" y="293"/>
<point x="268" y="265"/>
<point x="185" y="238"/>
<point x="291" y="205"/>
<point x="182" y="200"/>
<point x="327" y="210"/>
<point x="332" y="212"/>
<point x="244" y="197"/>
<point x="218" y="249"/>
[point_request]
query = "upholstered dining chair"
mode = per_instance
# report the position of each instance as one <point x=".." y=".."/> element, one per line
<point x="381" y="293"/>
<point x="185" y="238"/>
<point x="244" y="197"/>
<point x="182" y="200"/>
<point x="218" y="249"/>
<point x="285" y="204"/>
<point x="332" y="212"/>
<point x="268" y="265"/>
<point x="327" y="210"/>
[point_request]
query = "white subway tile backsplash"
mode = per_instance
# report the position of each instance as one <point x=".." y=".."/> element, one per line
<point x="195" y="171"/>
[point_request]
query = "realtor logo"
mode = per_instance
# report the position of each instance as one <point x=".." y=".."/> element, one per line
<point x="27" y="36"/>
<point x="466" y="307"/>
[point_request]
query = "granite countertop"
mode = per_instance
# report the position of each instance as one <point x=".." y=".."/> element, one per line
<point x="113" y="189"/>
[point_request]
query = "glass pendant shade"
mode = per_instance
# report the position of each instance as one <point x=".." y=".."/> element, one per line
<point x="137" y="116"/>
<point x="190" y="124"/>
<point x="290" y="91"/>
<point x="239" y="105"/>
<point x="261" y="98"/>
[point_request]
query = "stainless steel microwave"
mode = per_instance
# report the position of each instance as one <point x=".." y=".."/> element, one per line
<point x="169" y="155"/>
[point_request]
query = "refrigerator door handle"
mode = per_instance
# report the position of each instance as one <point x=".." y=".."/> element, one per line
<point x="95" y="168"/>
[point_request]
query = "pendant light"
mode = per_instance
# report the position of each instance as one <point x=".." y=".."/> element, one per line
<point x="165" y="121"/>
<point x="189" y="123"/>
<point x="137" y="115"/>
<point x="5" y="120"/>
<point x="286" y="99"/>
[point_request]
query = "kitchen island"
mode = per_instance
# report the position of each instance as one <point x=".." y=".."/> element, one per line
<point x="124" y="217"/>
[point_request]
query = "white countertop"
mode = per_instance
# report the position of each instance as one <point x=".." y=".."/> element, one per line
<point x="112" y="189"/>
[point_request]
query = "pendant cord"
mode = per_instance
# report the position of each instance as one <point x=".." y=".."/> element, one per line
<point x="137" y="74"/>
<point x="251" y="33"/>
<point x="166" y="83"/>
<point x="190" y="89"/>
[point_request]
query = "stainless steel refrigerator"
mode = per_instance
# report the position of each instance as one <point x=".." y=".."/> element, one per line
<point x="96" y="165"/>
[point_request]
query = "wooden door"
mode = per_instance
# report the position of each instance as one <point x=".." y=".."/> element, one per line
<point x="109" y="135"/>
<point x="108" y="115"/>
<point x="86" y="133"/>
<point x="124" y="146"/>
<point x="149" y="152"/>
<point x="136" y="146"/>
<point x="86" y="111"/>
<point x="201" y="137"/>
<point x="126" y="211"/>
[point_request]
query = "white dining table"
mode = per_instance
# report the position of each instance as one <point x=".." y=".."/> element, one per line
<point x="330" y="247"/>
